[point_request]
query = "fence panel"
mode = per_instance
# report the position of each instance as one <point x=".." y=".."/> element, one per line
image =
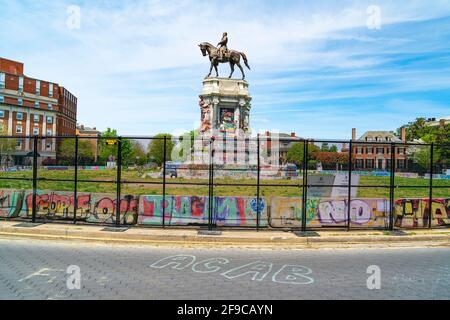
<point x="267" y="181"/>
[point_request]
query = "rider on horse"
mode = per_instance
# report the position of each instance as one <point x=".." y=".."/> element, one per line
<point x="223" y="46"/>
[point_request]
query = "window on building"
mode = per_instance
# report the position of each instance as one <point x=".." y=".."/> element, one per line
<point x="49" y="119"/>
<point x="49" y="132"/>
<point x="35" y="130"/>
<point x="359" y="163"/>
<point x="2" y="80"/>
<point x="50" y="90"/>
<point x="369" y="163"/>
<point x="401" y="164"/>
<point x="18" y="144"/>
<point x="2" y="114"/>
<point x="36" y="104"/>
<point x="388" y="163"/>
<point x="18" y="128"/>
<point x="21" y="84"/>
<point x="19" y="116"/>
<point x="20" y="102"/>
<point x="50" y="107"/>
<point x="38" y="87"/>
<point x="380" y="150"/>
<point x="2" y="99"/>
<point x="36" y="118"/>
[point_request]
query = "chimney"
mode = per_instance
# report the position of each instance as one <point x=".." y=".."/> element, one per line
<point x="403" y="134"/>
<point x="292" y="134"/>
<point x="353" y="134"/>
<point x="442" y="123"/>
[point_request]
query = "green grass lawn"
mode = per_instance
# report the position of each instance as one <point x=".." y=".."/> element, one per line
<point x="405" y="187"/>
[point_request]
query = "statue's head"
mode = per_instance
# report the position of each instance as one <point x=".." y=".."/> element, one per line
<point x="225" y="34"/>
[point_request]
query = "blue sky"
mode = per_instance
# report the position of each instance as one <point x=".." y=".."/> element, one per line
<point x="317" y="68"/>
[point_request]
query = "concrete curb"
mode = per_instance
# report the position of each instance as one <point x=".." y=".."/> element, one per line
<point x="243" y="239"/>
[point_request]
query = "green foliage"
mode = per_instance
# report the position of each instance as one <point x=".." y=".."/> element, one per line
<point x="156" y="148"/>
<point x="326" y="148"/>
<point x="439" y="135"/>
<point x="138" y="155"/>
<point x="66" y="152"/>
<point x="7" y="147"/>
<point x="107" y="151"/>
<point x="423" y="157"/>
<point x="295" y="153"/>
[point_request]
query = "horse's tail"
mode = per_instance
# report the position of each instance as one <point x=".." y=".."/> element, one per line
<point x="245" y="60"/>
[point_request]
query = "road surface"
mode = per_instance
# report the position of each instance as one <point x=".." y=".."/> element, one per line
<point x="45" y="269"/>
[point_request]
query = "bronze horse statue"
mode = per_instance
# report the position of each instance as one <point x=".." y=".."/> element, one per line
<point x="233" y="57"/>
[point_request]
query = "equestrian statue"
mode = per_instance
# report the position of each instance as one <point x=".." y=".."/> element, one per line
<point x="223" y="55"/>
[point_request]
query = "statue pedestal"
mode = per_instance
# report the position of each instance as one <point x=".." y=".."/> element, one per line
<point x="225" y="115"/>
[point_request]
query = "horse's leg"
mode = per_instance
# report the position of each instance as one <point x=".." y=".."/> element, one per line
<point x="242" y="70"/>
<point x="210" y="70"/>
<point x="232" y="68"/>
<point x="215" y="67"/>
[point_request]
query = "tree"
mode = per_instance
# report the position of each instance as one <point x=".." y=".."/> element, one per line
<point x="295" y="152"/>
<point x="423" y="157"/>
<point x="66" y="152"/>
<point x="7" y="147"/>
<point x="439" y="135"/>
<point x="110" y="151"/>
<point x="156" y="148"/>
<point x="138" y="153"/>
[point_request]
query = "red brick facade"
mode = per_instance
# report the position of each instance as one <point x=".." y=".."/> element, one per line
<point x="31" y="107"/>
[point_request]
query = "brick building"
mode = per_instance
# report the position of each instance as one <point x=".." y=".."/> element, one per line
<point x="377" y="155"/>
<point x="84" y="131"/>
<point x="30" y="106"/>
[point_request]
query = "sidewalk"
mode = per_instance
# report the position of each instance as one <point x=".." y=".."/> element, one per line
<point x="234" y="238"/>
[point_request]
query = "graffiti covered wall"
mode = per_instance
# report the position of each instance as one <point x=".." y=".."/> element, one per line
<point x="322" y="212"/>
<point x="92" y="207"/>
<point x="185" y="210"/>
<point x="227" y="211"/>
<point x="415" y="213"/>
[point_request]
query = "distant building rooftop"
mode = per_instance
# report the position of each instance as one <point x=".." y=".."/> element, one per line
<point x="82" y="129"/>
<point x="379" y="136"/>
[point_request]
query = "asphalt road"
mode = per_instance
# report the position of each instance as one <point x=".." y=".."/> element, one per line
<point x="38" y="269"/>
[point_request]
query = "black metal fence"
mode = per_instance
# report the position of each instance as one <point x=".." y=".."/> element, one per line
<point x="267" y="182"/>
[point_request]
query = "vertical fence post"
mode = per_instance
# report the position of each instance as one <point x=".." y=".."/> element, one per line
<point x="33" y="210"/>
<point x="391" y="188"/>
<point x="349" y="201"/>
<point x="430" y="199"/>
<point x="75" y="189"/>
<point x="257" y="184"/>
<point x="211" y="156"/>
<point x="118" y="179"/>
<point x="164" y="183"/>
<point x="304" y="184"/>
